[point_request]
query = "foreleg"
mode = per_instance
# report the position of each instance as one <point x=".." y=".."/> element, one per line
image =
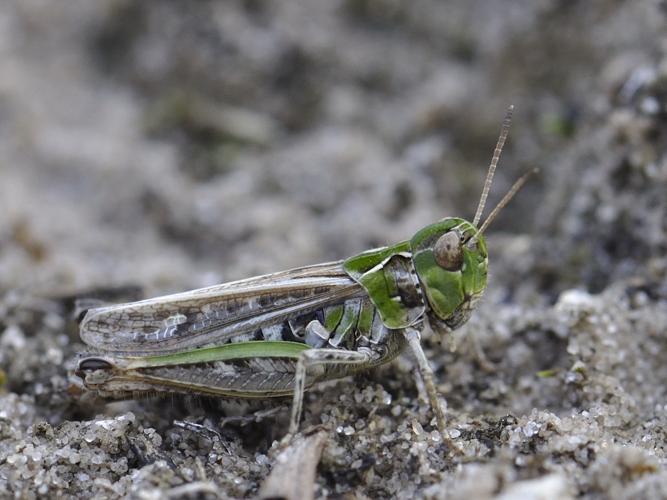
<point x="413" y="337"/>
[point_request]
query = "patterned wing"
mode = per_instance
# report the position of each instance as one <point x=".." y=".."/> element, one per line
<point x="215" y="315"/>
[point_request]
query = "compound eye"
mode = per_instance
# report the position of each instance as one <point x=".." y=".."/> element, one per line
<point x="448" y="251"/>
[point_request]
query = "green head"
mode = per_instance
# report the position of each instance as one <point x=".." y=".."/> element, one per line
<point x="451" y="261"/>
<point x="448" y="257"/>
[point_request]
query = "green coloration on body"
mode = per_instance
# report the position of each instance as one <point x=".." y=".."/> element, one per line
<point x="227" y="352"/>
<point x="332" y="316"/>
<point x="365" y="321"/>
<point x="447" y="290"/>
<point x="369" y="269"/>
<point x="308" y="324"/>
<point x="362" y="263"/>
<point x="349" y="319"/>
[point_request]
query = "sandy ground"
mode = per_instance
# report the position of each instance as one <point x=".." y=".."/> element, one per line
<point x="153" y="147"/>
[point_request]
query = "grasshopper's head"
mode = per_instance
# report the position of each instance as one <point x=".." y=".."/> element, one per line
<point x="450" y="256"/>
<point x="451" y="261"/>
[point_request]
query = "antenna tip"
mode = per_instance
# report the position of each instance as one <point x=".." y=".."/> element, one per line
<point x="508" y="116"/>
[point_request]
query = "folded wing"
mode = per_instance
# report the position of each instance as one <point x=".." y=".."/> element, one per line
<point x="215" y="315"/>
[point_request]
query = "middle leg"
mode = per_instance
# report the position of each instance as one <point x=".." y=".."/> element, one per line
<point x="320" y="357"/>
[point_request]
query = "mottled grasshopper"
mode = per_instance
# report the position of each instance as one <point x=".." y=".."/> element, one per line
<point x="279" y="334"/>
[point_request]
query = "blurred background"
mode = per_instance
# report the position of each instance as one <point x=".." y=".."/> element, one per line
<point x="175" y="145"/>
<point x="149" y="147"/>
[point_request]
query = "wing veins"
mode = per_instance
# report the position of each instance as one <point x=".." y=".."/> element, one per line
<point x="100" y="329"/>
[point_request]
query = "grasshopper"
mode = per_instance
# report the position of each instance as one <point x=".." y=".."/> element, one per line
<point x="282" y="333"/>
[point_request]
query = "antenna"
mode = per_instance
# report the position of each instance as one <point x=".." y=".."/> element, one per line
<point x="494" y="161"/>
<point x="506" y="199"/>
